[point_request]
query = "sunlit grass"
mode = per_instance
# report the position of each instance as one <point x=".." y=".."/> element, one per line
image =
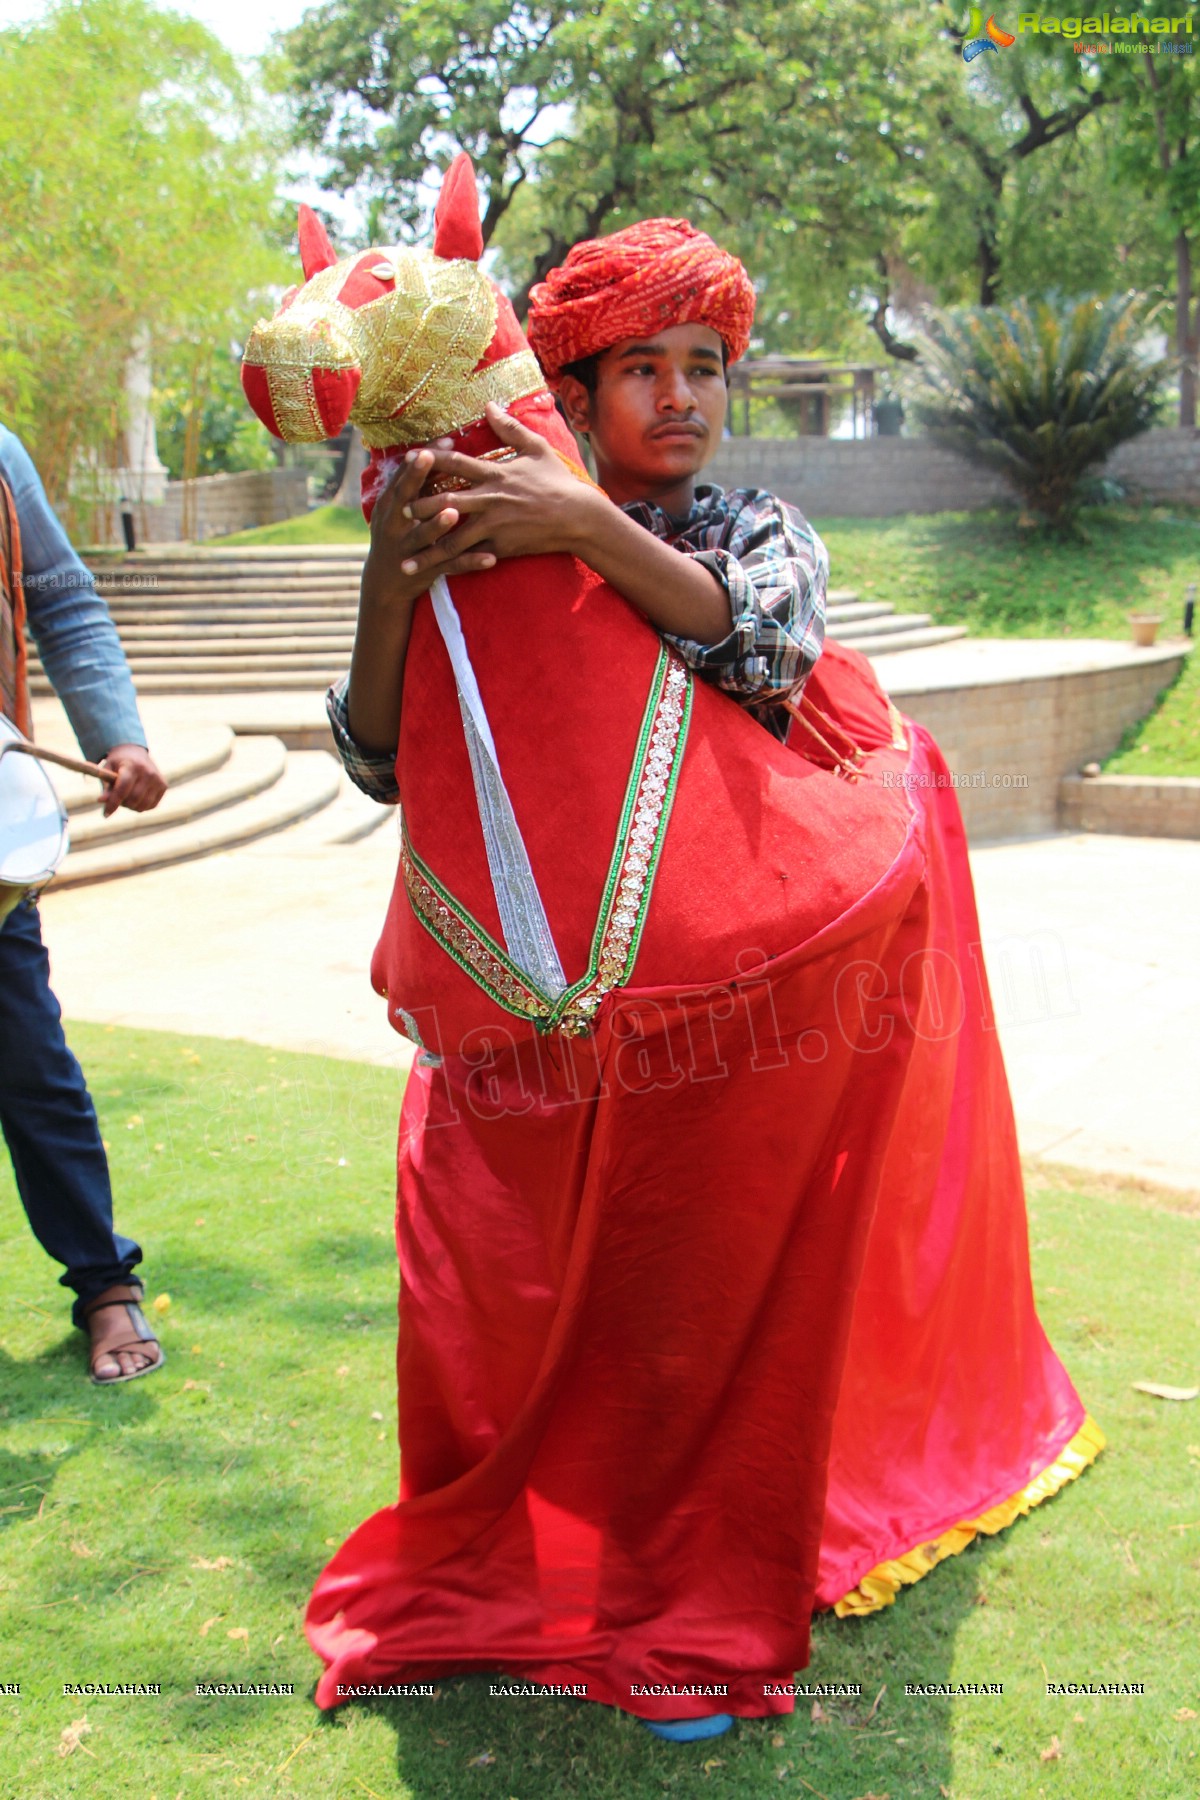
<point x="171" y="1530"/>
<point x="324" y="525"/>
<point x="979" y="570"/>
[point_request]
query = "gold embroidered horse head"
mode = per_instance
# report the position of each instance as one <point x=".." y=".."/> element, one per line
<point x="408" y="344"/>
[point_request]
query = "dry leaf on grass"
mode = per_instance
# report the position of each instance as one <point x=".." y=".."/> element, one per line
<point x="72" y="1736"/>
<point x="1053" y="1751"/>
<point x="1161" y="1391"/>
<point x="778" y="1740"/>
<point x="1185" y="1712"/>
<point x="220" y="1562"/>
<point x="208" y="1625"/>
<point x="239" y="1633"/>
<point x="819" y="1715"/>
<point x="483" y="1761"/>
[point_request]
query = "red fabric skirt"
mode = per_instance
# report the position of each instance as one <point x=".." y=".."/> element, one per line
<point x="666" y="1289"/>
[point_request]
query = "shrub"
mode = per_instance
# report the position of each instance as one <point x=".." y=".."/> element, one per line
<point x="1039" y="393"/>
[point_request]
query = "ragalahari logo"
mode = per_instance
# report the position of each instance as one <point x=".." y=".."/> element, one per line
<point x="981" y="37"/>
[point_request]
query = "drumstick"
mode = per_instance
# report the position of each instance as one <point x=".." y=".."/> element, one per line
<point x="74" y="763"/>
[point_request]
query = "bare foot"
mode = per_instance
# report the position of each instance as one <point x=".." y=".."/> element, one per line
<point x="123" y="1345"/>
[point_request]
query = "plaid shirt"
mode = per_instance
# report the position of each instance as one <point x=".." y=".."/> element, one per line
<point x="774" y="568"/>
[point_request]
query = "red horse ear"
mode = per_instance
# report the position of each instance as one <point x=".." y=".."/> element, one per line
<point x="316" y="251"/>
<point x="456" y="229"/>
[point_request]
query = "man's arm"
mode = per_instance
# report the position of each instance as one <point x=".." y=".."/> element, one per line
<point x="68" y="621"/>
<point x="775" y="570"/>
<point x="405" y="556"/>
<point x="77" y="641"/>
<point x="535" y="505"/>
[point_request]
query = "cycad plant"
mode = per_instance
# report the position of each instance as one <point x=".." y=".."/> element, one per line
<point x="1042" y="394"/>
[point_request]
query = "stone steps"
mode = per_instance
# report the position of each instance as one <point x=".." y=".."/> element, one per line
<point x="848" y="611"/>
<point x="347" y="820"/>
<point x="147" y="652"/>
<point x="889" y="625"/>
<point x="310" y="781"/>
<point x="262" y="617"/>
<point x="883" y="645"/>
<point x="181" y="558"/>
<point x="199" y="660"/>
<point x="185" y="753"/>
<point x="169" y="591"/>
<point x="225" y="789"/>
<point x="239" y="633"/>
<point x="253" y="766"/>
<point x="231" y="681"/>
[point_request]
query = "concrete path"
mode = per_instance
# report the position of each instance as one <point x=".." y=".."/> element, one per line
<point x="271" y="942"/>
<point x="1092" y="947"/>
<point x="1093" y="954"/>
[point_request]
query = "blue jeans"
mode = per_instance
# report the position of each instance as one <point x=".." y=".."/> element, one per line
<point x="49" y="1123"/>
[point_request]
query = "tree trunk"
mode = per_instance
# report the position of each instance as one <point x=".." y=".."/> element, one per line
<point x="350" y="492"/>
<point x="989" y="270"/>
<point x="1186" y="336"/>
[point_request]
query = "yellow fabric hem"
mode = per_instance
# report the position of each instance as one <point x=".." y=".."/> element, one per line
<point x="880" y="1587"/>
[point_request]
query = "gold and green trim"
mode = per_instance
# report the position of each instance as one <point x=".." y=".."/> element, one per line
<point x="625" y="902"/>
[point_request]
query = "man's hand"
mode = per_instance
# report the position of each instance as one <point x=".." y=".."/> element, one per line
<point x="406" y="554"/>
<point x="409" y="549"/>
<point x="534" y="504"/>
<point x="531" y="505"/>
<point x="138" y="786"/>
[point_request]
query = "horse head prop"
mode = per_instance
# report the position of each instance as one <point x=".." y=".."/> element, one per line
<point x="405" y="343"/>
<point x="549" y="736"/>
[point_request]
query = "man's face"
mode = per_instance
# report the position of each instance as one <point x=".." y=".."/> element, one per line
<point x="658" y="410"/>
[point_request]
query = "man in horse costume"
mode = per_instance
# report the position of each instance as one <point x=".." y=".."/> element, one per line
<point x="715" y="1301"/>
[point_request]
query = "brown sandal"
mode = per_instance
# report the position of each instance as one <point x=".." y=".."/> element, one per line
<point x="143" y="1336"/>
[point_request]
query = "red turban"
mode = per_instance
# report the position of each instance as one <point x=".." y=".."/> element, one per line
<point x="632" y="283"/>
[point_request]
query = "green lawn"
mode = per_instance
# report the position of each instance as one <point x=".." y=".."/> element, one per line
<point x="978" y="570"/>
<point x="324" y="525"/>
<point x="170" y="1530"/>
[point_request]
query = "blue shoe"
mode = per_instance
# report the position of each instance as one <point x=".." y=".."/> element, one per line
<point x="689" y="1731"/>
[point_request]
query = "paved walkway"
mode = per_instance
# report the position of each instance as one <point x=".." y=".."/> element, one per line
<point x="1093" y="953"/>
<point x="1091" y="943"/>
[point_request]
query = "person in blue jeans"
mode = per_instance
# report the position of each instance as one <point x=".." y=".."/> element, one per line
<point x="46" y="1112"/>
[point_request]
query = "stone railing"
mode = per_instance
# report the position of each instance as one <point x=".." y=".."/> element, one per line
<point x="211" y="506"/>
<point x="880" y="476"/>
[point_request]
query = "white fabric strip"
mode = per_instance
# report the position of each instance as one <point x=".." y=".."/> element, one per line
<point x="522" y="916"/>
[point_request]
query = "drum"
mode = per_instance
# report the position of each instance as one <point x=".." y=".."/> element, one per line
<point x="33" y="822"/>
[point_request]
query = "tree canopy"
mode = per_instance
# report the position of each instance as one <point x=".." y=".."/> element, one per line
<point x="1156" y="158"/>
<point x="582" y="115"/>
<point x="860" y="172"/>
<point x="137" y="193"/>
